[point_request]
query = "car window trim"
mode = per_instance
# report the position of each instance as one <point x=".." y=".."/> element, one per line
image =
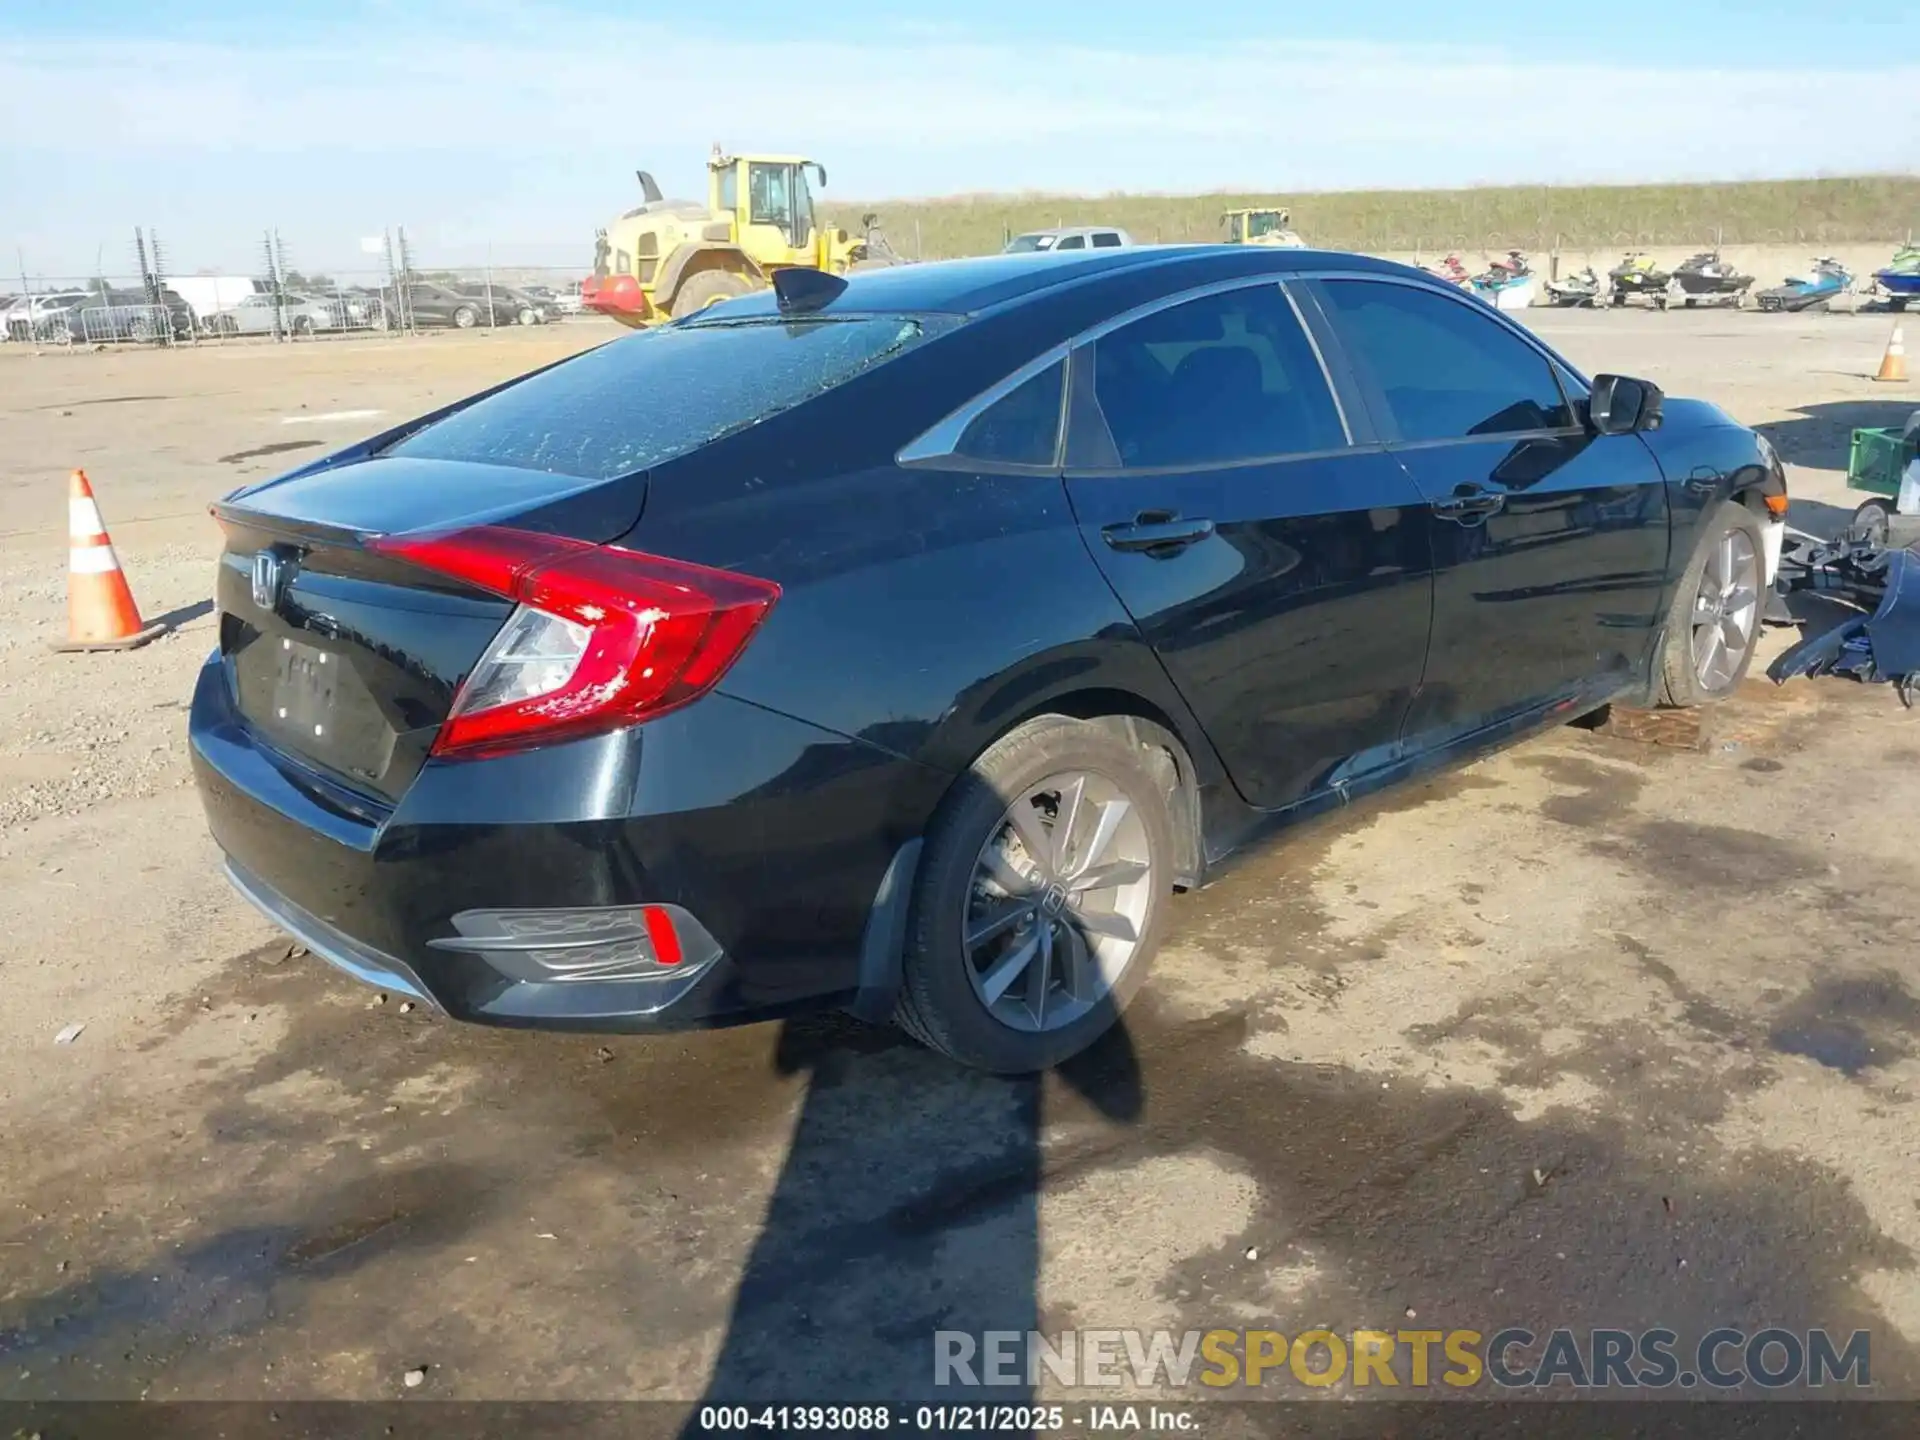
<point x="933" y="448"/>
<point x="1388" y="428"/>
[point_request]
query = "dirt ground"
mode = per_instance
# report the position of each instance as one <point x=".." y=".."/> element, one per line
<point x="1587" y="1033"/>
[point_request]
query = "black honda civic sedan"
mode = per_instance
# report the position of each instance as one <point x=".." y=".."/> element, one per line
<point x="904" y="643"/>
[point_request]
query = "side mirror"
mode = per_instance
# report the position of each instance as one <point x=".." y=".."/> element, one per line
<point x="1620" y="405"/>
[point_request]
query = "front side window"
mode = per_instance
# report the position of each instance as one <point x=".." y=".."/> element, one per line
<point x="770" y="196"/>
<point x="1444" y="369"/>
<point x="802" y="206"/>
<point x="1214" y="380"/>
<point x="1072" y="242"/>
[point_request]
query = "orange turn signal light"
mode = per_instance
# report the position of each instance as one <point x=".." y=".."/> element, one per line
<point x="1776" y="504"/>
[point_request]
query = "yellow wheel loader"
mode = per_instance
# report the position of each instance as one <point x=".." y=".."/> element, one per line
<point x="669" y="258"/>
<point x="1261" y="227"/>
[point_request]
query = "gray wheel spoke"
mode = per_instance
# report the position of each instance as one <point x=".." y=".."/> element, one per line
<point x="1708" y="645"/>
<point x="1106" y="877"/>
<point x="1040" y="977"/>
<point x="1003" y="917"/>
<point x="1113" y="815"/>
<point x="1104" y="922"/>
<point x="1000" y="870"/>
<point x="1033" y="835"/>
<point x="997" y="981"/>
<point x="1066" y="822"/>
<point x="1077" y="973"/>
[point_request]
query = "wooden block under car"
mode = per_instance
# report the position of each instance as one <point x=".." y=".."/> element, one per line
<point x="1675" y="729"/>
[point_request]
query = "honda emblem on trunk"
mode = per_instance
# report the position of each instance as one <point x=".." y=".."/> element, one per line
<point x="269" y="574"/>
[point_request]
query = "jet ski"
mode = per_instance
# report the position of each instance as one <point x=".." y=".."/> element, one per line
<point x="1827" y="279"/>
<point x="1900" y="278"/>
<point x="1636" y="274"/>
<point x="1706" y="279"/>
<point x="1451" y="271"/>
<point x="1582" y="287"/>
<point x="1507" y="284"/>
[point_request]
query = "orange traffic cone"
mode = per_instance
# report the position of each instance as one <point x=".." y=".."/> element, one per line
<point x="1893" y="365"/>
<point x="101" y="614"/>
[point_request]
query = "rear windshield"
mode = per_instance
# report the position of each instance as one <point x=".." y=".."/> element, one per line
<point x="638" y="401"/>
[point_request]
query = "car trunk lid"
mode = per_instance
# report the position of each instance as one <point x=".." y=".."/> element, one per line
<point x="348" y="660"/>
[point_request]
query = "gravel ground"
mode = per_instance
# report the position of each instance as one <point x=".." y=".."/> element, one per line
<point x="1587" y="1033"/>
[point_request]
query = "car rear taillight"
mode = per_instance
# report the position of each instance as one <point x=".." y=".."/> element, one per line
<point x="603" y="637"/>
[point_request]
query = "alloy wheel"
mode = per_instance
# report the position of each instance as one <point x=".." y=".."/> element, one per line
<point x="1726" y="611"/>
<point x="1058" y="902"/>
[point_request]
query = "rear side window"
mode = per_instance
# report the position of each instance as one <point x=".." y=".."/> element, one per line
<point x="638" y="401"/>
<point x="1072" y="242"/>
<point x="1022" y="427"/>
<point x="1105" y="240"/>
<point x="1443" y="368"/>
<point x="1215" y="380"/>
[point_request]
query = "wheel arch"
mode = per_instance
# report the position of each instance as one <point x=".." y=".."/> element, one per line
<point x="696" y="258"/>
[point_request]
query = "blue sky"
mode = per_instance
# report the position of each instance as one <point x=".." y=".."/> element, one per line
<point x="513" y="127"/>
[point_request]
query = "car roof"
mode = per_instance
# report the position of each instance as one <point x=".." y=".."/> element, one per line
<point x="965" y="287"/>
<point x="1074" y="230"/>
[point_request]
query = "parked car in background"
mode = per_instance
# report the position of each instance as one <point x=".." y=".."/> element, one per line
<point x="115" y="315"/>
<point x="1072" y="237"/>
<point x="554" y="301"/>
<point x="261" y="314"/>
<point x="428" y="303"/>
<point x="670" y="697"/>
<point x="570" y="302"/>
<point x="44" y="317"/>
<point x="509" y="305"/>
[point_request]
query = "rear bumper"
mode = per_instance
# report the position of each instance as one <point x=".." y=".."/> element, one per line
<point x="766" y="838"/>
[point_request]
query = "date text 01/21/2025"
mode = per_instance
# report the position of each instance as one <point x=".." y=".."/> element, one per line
<point x="956" y="1419"/>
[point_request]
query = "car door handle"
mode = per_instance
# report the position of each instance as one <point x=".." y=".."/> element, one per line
<point x="1469" y="504"/>
<point x="1157" y="530"/>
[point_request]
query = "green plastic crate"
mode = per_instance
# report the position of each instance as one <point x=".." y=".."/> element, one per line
<point x="1877" y="461"/>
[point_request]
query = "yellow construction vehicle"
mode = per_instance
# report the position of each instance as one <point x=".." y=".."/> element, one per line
<point x="1261" y="227"/>
<point x="670" y="258"/>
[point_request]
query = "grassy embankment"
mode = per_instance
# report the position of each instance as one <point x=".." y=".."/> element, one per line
<point x="1531" y="217"/>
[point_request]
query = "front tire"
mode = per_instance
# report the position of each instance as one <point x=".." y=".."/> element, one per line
<point x="466" y="317"/>
<point x="1040" y="899"/>
<point x="709" y="287"/>
<point x="527" y="316"/>
<point x="1713" y="625"/>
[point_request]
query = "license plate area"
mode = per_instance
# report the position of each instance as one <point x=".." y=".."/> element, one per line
<point x="305" y="685"/>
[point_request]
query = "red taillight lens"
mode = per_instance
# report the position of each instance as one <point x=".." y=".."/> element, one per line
<point x="604" y="637"/>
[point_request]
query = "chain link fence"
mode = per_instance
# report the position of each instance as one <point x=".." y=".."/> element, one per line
<point x="158" y="302"/>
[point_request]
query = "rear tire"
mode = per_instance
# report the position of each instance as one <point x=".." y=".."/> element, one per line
<point x="709" y="287"/>
<point x="466" y="317"/>
<point x="527" y="316"/>
<point x="1713" y="625"/>
<point x="1089" y="944"/>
